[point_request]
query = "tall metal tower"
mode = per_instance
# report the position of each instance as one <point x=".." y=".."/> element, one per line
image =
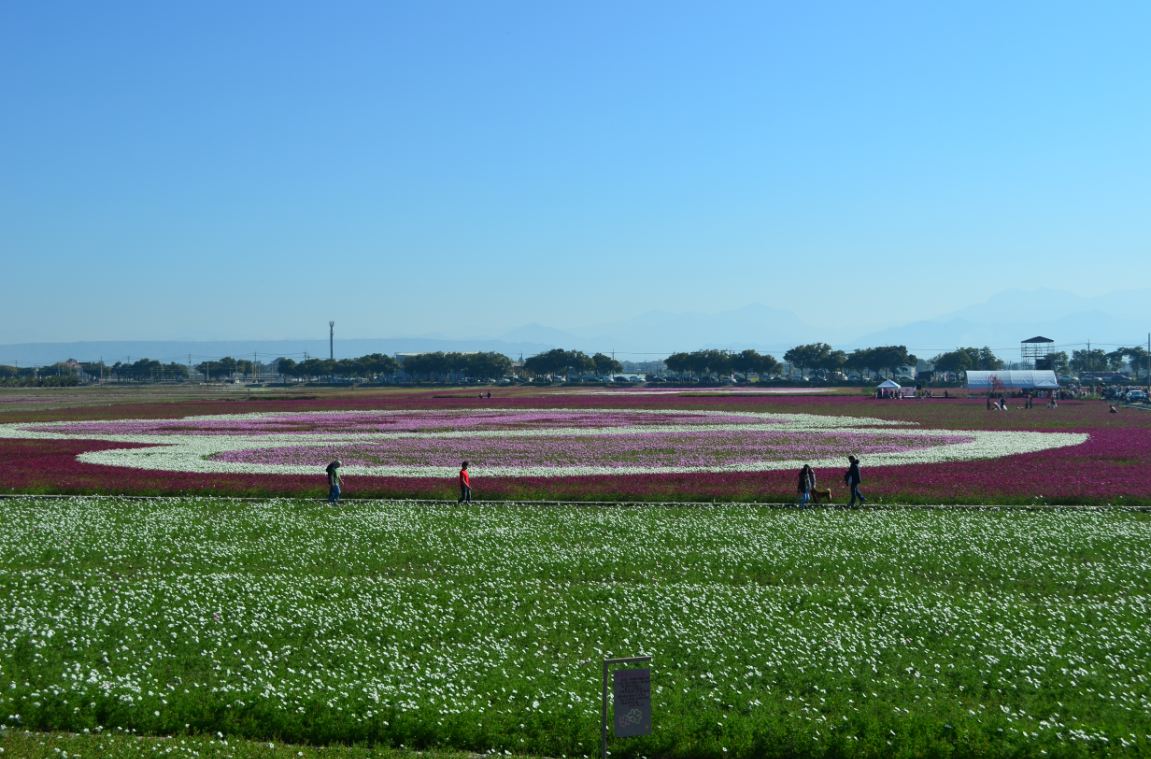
<point x="332" y="341"/>
<point x="1034" y="351"/>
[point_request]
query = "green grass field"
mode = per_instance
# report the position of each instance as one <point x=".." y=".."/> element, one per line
<point x="23" y="744"/>
<point x="774" y="632"/>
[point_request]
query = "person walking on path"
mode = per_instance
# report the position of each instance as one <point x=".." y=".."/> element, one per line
<point x="333" y="470"/>
<point x="806" y="484"/>
<point x="852" y="479"/>
<point x="465" y="484"/>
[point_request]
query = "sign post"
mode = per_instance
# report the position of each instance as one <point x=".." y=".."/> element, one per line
<point x="632" y="695"/>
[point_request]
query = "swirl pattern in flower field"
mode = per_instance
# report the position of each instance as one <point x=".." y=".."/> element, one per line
<point x="527" y="442"/>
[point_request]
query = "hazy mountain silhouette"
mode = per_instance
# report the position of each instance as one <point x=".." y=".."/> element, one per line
<point x="663" y="332"/>
<point x="1006" y="319"/>
<point x="1001" y="322"/>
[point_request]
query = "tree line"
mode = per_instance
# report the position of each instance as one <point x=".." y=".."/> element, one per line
<point x="372" y="366"/>
<point x="1098" y="360"/>
<point x="564" y="362"/>
<point x="821" y="356"/>
<point x="818" y="359"/>
<point x="718" y="363"/>
<point x="28" y="376"/>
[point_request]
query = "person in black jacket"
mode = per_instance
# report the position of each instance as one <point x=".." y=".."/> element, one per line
<point x="852" y="479"/>
<point x="334" y="481"/>
<point x="806" y="484"/>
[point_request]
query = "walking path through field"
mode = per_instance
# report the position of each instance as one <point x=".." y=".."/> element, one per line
<point x="347" y="503"/>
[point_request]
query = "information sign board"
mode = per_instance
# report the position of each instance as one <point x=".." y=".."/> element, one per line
<point x="632" y="690"/>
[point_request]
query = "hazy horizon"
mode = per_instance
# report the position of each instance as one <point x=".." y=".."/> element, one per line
<point x="1000" y="323"/>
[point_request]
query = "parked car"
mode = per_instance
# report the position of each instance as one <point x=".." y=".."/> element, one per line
<point x="1136" y="396"/>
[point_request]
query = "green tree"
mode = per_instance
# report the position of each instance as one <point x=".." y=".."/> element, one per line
<point x="891" y="357"/>
<point x="835" y="361"/>
<point x="1138" y="359"/>
<point x="746" y="361"/>
<point x="174" y="371"/>
<point x="1092" y="360"/>
<point x="315" y="368"/>
<point x="142" y="370"/>
<point x="750" y="361"/>
<point x="678" y="363"/>
<point x="964" y="359"/>
<point x="486" y="366"/>
<point x="606" y="365"/>
<point x="348" y="368"/>
<point x="94" y="369"/>
<point x="285" y="367"/>
<point x="1056" y="361"/>
<point x="859" y="360"/>
<point x="953" y="362"/>
<point x="887" y="358"/>
<point x="717" y="363"/>
<point x="218" y="369"/>
<point x="768" y="366"/>
<point x="427" y="366"/>
<point x="379" y="365"/>
<point x="559" y="361"/>
<point x="808" y="357"/>
<point x="988" y="361"/>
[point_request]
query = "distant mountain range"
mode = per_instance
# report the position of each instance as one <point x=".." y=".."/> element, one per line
<point x="1001" y="322"/>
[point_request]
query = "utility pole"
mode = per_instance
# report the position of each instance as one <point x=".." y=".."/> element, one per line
<point x="332" y="341"/>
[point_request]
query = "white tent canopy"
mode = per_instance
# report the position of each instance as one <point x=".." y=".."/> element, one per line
<point x="892" y="389"/>
<point x="1033" y="379"/>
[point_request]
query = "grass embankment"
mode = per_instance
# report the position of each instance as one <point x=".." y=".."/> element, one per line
<point x="774" y="633"/>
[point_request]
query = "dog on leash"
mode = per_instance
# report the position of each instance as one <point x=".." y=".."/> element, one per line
<point x="821" y="495"/>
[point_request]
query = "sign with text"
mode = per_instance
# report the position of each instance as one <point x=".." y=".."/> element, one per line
<point x="632" y="689"/>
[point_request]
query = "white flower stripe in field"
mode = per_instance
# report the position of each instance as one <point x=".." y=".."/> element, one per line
<point x="106" y="431"/>
<point x="194" y="455"/>
<point x="463" y="421"/>
<point x="199" y="453"/>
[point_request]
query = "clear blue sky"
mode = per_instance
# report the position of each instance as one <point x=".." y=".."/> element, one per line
<point x="253" y="169"/>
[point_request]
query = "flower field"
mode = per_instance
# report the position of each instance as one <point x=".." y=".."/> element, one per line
<point x="928" y="632"/>
<point x="579" y="445"/>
